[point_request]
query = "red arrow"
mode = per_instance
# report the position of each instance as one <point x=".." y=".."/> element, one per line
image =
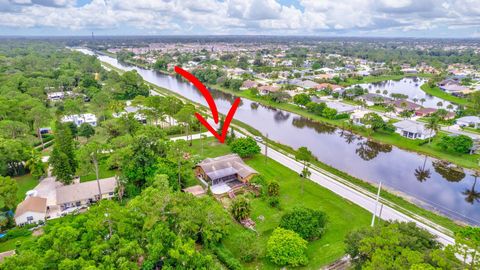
<point x="212" y="105"/>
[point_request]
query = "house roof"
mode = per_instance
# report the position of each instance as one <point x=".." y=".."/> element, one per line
<point x="249" y="84"/>
<point x="85" y="190"/>
<point x="469" y="119"/>
<point x="195" y="190"/>
<point x="409" y="105"/>
<point x="411" y="126"/>
<point x="269" y="88"/>
<point x="225" y="165"/>
<point x="340" y="107"/>
<point x="426" y="111"/>
<point x="31" y="204"/>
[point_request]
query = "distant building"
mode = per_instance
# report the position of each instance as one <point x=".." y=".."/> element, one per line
<point x="248" y="84"/>
<point x="31" y="210"/>
<point x="413" y="130"/>
<point x="79" y="119"/>
<point x="267" y="89"/>
<point x="405" y="105"/>
<point x="469" y="121"/>
<point x="341" y="107"/>
<point x="374" y="99"/>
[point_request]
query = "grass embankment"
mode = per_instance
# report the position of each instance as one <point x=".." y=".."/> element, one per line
<point x="104" y="172"/>
<point x="464" y="160"/>
<point x="437" y="92"/>
<point x="343" y="215"/>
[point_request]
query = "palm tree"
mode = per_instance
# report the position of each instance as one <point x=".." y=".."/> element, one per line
<point x="385" y="92"/>
<point x="471" y="195"/>
<point x="415" y="100"/>
<point x="422" y="100"/>
<point x="421" y="173"/>
<point x="432" y="125"/>
<point x="450" y="107"/>
<point x="439" y="104"/>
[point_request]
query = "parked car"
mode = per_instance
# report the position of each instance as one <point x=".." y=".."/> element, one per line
<point x="258" y="139"/>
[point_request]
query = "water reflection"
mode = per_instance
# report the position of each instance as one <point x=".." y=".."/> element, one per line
<point x="471" y="195"/>
<point x="281" y="116"/>
<point x="349" y="137"/>
<point x="301" y="122"/>
<point x="448" y="170"/>
<point x="422" y="173"/>
<point x="369" y="150"/>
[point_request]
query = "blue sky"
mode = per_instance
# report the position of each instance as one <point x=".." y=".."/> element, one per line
<point x="388" y="18"/>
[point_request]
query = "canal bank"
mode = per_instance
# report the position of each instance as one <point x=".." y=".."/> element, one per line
<point x="349" y="153"/>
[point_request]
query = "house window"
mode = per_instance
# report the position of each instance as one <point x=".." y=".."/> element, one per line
<point x="110" y="193"/>
<point x="77" y="203"/>
<point x="30" y="218"/>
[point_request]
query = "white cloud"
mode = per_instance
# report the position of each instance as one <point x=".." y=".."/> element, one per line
<point x="242" y="16"/>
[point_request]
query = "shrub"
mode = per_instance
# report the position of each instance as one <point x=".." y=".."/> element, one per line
<point x="285" y="247"/>
<point x="260" y="182"/>
<point x="227" y="258"/>
<point x="308" y="223"/>
<point x="274" y="201"/>
<point x="240" y="208"/>
<point x="247" y="246"/>
<point x="245" y="147"/>
<point x="273" y="188"/>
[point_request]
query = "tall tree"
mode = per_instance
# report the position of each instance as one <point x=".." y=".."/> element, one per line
<point x="8" y="192"/>
<point x="89" y="157"/>
<point x="62" y="159"/>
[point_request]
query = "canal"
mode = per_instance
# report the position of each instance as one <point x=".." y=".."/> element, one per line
<point x="433" y="184"/>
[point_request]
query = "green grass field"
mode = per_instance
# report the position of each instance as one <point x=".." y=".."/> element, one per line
<point x="25" y="183"/>
<point x="343" y="216"/>
<point x="437" y="92"/>
<point x="105" y="172"/>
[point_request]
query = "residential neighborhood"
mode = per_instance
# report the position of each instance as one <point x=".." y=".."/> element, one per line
<point x="291" y="134"/>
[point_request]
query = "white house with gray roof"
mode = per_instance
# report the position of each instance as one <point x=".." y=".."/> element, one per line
<point x="413" y="130"/>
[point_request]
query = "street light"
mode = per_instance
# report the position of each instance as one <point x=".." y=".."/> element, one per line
<point x="376" y="203"/>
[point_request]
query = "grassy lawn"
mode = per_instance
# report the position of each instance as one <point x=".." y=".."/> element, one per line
<point x="12" y="243"/>
<point x="104" y="173"/>
<point x="437" y="92"/>
<point x="343" y="215"/>
<point x="25" y="183"/>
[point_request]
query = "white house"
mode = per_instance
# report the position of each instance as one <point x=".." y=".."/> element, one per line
<point x="79" y="119"/>
<point x="466" y="121"/>
<point x="31" y="210"/>
<point x="413" y="130"/>
<point x="83" y="194"/>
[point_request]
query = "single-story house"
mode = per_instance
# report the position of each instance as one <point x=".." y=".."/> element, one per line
<point x="54" y="96"/>
<point x="135" y="111"/>
<point x="307" y="84"/>
<point x="31" y="210"/>
<point x="358" y="115"/>
<point x="413" y="130"/>
<point x="83" y="194"/>
<point x="405" y="105"/>
<point x="423" y="112"/>
<point x="224" y="169"/>
<point x="340" y="107"/>
<point x="333" y="87"/>
<point x="373" y="99"/>
<point x="79" y="119"/>
<point x="267" y="89"/>
<point x="248" y="84"/>
<point x="466" y="121"/>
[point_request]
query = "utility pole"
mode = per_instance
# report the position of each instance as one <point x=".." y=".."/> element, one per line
<point x="266" y="148"/>
<point x="376" y="203"/>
